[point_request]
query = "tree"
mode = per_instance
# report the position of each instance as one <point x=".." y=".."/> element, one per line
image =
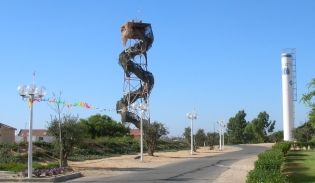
<point x="58" y="108"/>
<point x="200" y="137"/>
<point x="236" y="127"/>
<point x="249" y="133"/>
<point x="152" y="133"/>
<point x="276" y="137"/>
<point x="262" y="127"/>
<point x="213" y="138"/>
<point x="102" y="125"/>
<point x="187" y="138"/>
<point x="186" y="134"/>
<point x="308" y="99"/>
<point x="71" y="131"/>
<point x="304" y="132"/>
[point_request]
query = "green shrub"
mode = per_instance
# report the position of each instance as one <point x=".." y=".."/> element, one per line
<point x="265" y="176"/>
<point x="6" y="154"/>
<point x="14" y="167"/>
<point x="44" y="145"/>
<point x="283" y="146"/>
<point x="86" y="157"/>
<point x="45" y="166"/>
<point x="104" y="147"/>
<point x="268" y="166"/>
<point x="168" y="145"/>
<point x="270" y="160"/>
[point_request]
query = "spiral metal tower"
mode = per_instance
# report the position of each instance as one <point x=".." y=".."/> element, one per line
<point x="138" y="81"/>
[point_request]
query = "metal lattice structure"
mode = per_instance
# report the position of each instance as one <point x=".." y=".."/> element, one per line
<point x="292" y="52"/>
<point x="138" y="81"/>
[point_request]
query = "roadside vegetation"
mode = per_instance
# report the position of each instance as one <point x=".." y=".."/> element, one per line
<point x="290" y="161"/>
<point x="268" y="166"/>
<point x="83" y="139"/>
<point x="300" y="161"/>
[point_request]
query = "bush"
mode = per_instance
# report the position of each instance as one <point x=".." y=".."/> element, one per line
<point x="283" y="146"/>
<point x="265" y="176"/>
<point x="45" y="166"/>
<point x="268" y="166"/>
<point x="109" y="146"/>
<point x="6" y="154"/>
<point x="45" y="145"/>
<point x="86" y="157"/>
<point x="270" y="160"/>
<point x="14" y="167"/>
<point x="312" y="144"/>
<point x="104" y="147"/>
<point x="169" y="145"/>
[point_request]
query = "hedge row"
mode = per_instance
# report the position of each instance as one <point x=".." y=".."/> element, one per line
<point x="20" y="167"/>
<point x="268" y="166"/>
<point x="111" y="146"/>
<point x="163" y="145"/>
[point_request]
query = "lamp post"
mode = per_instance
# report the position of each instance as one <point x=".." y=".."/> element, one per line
<point x="221" y="133"/>
<point x="143" y="107"/>
<point x="32" y="93"/>
<point x="191" y="116"/>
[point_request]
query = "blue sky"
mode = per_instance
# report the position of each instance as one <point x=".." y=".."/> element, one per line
<point x="218" y="57"/>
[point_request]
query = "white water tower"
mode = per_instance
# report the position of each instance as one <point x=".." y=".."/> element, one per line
<point x="288" y="92"/>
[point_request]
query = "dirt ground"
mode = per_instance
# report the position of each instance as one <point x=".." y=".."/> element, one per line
<point x="126" y="163"/>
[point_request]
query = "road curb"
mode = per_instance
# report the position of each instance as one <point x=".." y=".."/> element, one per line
<point x="58" y="178"/>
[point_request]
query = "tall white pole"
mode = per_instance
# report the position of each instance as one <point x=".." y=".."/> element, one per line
<point x="60" y="141"/>
<point x="191" y="116"/>
<point x="220" y="140"/>
<point x="287" y="96"/>
<point x="191" y="136"/>
<point x="223" y="139"/>
<point x="30" y="139"/>
<point x="141" y="136"/>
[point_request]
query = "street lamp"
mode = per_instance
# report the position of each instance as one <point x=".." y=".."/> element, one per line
<point x="32" y="93"/>
<point x="191" y="116"/>
<point x="143" y="107"/>
<point x="221" y="133"/>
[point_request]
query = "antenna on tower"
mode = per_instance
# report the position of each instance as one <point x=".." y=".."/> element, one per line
<point x="34" y="77"/>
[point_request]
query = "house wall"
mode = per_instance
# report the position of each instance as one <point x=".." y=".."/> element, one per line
<point x="7" y="135"/>
<point x="43" y="139"/>
<point x="48" y="139"/>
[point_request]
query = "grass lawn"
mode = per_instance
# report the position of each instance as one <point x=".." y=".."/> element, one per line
<point x="300" y="166"/>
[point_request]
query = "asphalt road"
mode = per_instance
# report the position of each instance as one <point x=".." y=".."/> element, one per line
<point x="205" y="169"/>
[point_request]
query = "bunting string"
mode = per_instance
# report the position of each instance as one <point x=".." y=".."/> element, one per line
<point x="73" y="104"/>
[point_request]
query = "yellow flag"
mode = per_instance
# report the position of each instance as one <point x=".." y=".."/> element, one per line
<point x="30" y="102"/>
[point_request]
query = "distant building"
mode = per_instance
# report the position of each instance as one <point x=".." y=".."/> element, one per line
<point x="7" y="134"/>
<point x="37" y="135"/>
<point x="135" y="133"/>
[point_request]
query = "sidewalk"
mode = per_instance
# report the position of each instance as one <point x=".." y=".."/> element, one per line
<point x="238" y="171"/>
